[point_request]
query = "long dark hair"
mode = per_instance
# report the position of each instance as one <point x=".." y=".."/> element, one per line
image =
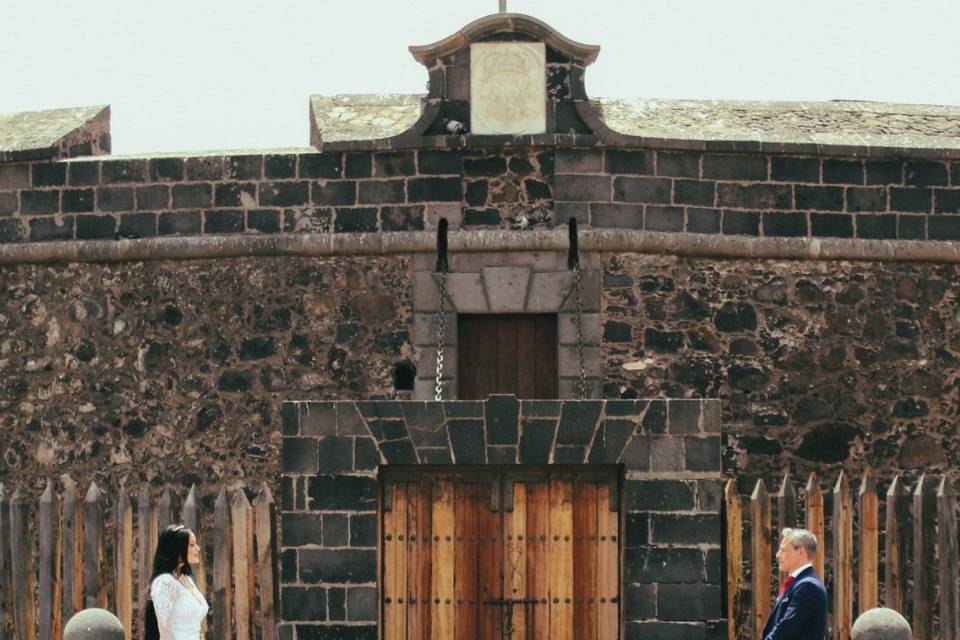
<point x="172" y="547"/>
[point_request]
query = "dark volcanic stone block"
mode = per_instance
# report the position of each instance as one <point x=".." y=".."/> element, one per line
<point x="703" y="220"/>
<point x="380" y="191"/>
<point x="263" y="220"/>
<point x="388" y="429"/>
<point x="610" y="440"/>
<point x="629" y="162"/>
<point x="501" y="455"/>
<point x="843" y="172"/>
<point x="685" y="529"/>
<point x="113" y="171"/>
<point x="481" y="218"/>
<point x="321" y="165"/>
<point x="42" y="229"/>
<point x="912" y="227"/>
<point x="355" y="220"/>
<point x="924" y="173"/>
<point x="300" y="529"/>
<point x="366" y="454"/>
<point x="463" y="409"/>
<point x="744" y="223"/>
<point x="785" y="224"/>
<point x="787" y="169"/>
<point x="398" y="452"/>
<point x="229" y="194"/>
<point x="684" y="416"/>
<point x="432" y="455"/>
<point x="335" y="530"/>
<point x="938" y="227"/>
<point x="917" y="200"/>
<point x="884" y="172"/>
<point x="735" y="167"/>
<point x="579" y="160"/>
<point x="96" y="227"/>
<point x="877" y="226"/>
<point x="755" y="196"/>
<point x="84" y="173"/>
<point x="581" y="188"/>
<point x="502" y="412"/>
<point x="866" y="199"/>
<point x="540" y="408"/>
<point x="689" y="602"/>
<point x="153" y="197"/>
<point x="226" y="221"/>
<point x="835" y="225"/>
<point x="336" y="454"/>
<point x="636" y="455"/>
<point x="342" y="492"/>
<point x="947" y="200"/>
<point x="338" y="566"/>
<point x="434" y="190"/>
<point x="640" y="601"/>
<point x="167" y="169"/>
<point x="637" y="529"/>
<point x="536" y="440"/>
<point x="76" y="201"/>
<point x="190" y="196"/>
<point x="679" y="165"/>
<point x="334" y="193"/>
<point x="358" y="165"/>
<point x="304" y="603"/>
<point x="645" y="190"/>
<point x="663" y="218"/>
<point x="284" y="194"/>
<point x="703" y="454"/>
<point x="655" y="565"/>
<point x="569" y="454"/>
<point x="659" y="495"/>
<point x="439" y="162"/>
<point x="578" y="421"/>
<point x="115" y="199"/>
<point x="179" y="223"/>
<point x="137" y="225"/>
<point x="280" y="166"/>
<point x="299" y="455"/>
<point x="12" y="231"/>
<point x="390" y="164"/>
<point x="655" y="417"/>
<point x="617" y="216"/>
<point x="362" y="604"/>
<point x="363" y="530"/>
<point x="9" y="203"/>
<point x="49" y="174"/>
<point x="39" y="202"/>
<point x="243" y="167"/>
<point x="467" y="440"/>
<point x="336" y="632"/>
<point x="210" y="168"/>
<point x="337" y="603"/>
<point x="694" y="192"/>
<point x="820" y="198"/>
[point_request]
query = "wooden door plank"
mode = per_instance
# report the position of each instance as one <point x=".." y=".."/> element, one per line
<point x="508" y="330"/>
<point x="395" y="571"/>
<point x="442" y="565"/>
<point x="560" y="557"/>
<point x="547" y="382"/>
<point x="538" y="567"/>
<point x="490" y="557"/>
<point x="419" y="543"/>
<point x="515" y="569"/>
<point x="411" y="536"/>
<point x="586" y="547"/>
<point x="465" y="560"/>
<point x="608" y="566"/>
<point x="526" y="358"/>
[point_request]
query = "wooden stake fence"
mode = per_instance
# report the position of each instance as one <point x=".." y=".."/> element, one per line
<point x="923" y="520"/>
<point x="56" y="557"/>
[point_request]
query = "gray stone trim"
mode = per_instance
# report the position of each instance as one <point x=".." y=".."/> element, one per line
<point x="494" y="241"/>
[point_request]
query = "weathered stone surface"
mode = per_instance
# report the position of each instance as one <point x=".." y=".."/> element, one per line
<point x="881" y="624"/>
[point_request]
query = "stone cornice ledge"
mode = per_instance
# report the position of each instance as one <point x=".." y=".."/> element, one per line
<point x="372" y="244"/>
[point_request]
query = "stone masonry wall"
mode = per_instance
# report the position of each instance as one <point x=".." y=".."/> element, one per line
<point x="819" y="366"/>
<point x="173" y="372"/>
<point x="670" y="509"/>
<point x="480" y="185"/>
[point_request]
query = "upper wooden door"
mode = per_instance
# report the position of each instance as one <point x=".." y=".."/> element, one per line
<point x="501" y="554"/>
<point x="514" y="354"/>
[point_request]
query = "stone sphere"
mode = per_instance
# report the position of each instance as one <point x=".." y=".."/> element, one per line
<point x="93" y="624"/>
<point x="881" y="624"/>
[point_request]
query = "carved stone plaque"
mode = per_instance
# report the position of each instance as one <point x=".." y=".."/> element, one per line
<point x="508" y="88"/>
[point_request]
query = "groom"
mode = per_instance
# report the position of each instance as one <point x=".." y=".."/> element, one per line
<point x="800" y="612"/>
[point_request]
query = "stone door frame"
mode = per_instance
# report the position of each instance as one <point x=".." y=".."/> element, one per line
<point x="507" y="282"/>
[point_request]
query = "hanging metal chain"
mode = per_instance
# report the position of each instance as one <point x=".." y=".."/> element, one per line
<point x="441" y="328"/>
<point x="578" y="284"/>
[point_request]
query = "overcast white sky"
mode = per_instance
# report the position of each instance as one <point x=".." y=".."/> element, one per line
<point x="216" y="74"/>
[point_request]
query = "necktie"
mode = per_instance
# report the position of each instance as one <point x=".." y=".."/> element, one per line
<point x="786" y="585"/>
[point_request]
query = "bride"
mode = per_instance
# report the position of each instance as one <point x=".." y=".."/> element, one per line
<point x="176" y="607"/>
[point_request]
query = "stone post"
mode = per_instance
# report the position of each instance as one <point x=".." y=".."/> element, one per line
<point x="93" y="624"/>
<point x="881" y="624"/>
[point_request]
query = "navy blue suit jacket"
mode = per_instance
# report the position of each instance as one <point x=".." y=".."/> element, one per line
<point x="801" y="612"/>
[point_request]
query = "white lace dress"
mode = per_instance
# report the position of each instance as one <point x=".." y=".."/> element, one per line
<point x="180" y="607"/>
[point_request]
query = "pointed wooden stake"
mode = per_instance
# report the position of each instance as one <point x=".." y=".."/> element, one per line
<point x="123" y="561"/>
<point x="842" y="558"/>
<point x="266" y="546"/>
<point x="146" y="544"/>
<point x="191" y="517"/>
<point x="222" y="593"/>
<point x="897" y="542"/>
<point x="48" y="528"/>
<point x="241" y="515"/>
<point x="72" y="595"/>
<point x="94" y="577"/>
<point x="760" y="532"/>
<point x="22" y="568"/>
<point x="947" y="546"/>
<point x="165" y="510"/>
<point x="869" y="541"/>
<point x="924" y="545"/>
<point x="733" y="517"/>
<point x="815" y="520"/>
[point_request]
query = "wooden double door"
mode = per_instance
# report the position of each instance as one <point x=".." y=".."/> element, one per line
<point x="497" y="554"/>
